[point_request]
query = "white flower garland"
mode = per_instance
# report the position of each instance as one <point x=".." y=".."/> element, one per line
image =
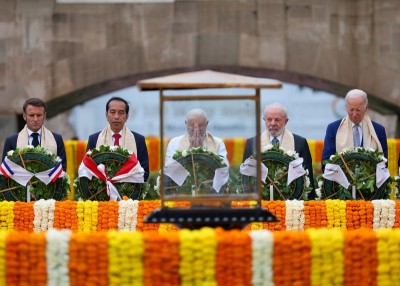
<point x="384" y="213"/>
<point x="295" y="218"/>
<point x="57" y="257"/>
<point x="43" y="215"/>
<point x="262" y="256"/>
<point x="127" y="214"/>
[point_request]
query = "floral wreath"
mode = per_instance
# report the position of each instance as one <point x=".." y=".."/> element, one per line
<point x="277" y="161"/>
<point x="35" y="160"/>
<point x="359" y="167"/>
<point x="113" y="158"/>
<point x="201" y="164"/>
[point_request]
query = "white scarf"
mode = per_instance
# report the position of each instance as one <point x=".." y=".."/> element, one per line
<point x="286" y="143"/>
<point x="128" y="140"/>
<point x="47" y="139"/>
<point x="344" y="135"/>
<point x="209" y="142"/>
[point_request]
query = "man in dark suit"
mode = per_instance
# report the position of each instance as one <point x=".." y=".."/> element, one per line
<point x="117" y="134"/>
<point x="34" y="133"/>
<point x="355" y="130"/>
<point x="276" y="118"/>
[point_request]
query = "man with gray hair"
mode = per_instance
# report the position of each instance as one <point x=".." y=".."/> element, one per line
<point x="197" y="136"/>
<point x="276" y="118"/>
<point x="355" y="130"/>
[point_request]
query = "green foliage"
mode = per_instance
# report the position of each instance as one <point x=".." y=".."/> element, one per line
<point x="277" y="161"/>
<point x="35" y="160"/>
<point x="359" y="166"/>
<point x="113" y="158"/>
<point x="201" y="164"/>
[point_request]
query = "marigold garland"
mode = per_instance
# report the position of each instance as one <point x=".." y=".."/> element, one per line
<point x="198" y="251"/>
<point x="129" y="215"/>
<point x="360" y="256"/>
<point x="233" y="257"/>
<point x="161" y="258"/>
<point x="3" y="264"/>
<point x="107" y="215"/>
<point x="357" y="213"/>
<point x="125" y="254"/>
<point x="201" y="257"/>
<point x="6" y="215"/>
<point x="336" y="213"/>
<point x="23" y="216"/>
<point x="96" y="257"/>
<point x="291" y="258"/>
<point x="278" y="208"/>
<point x="80" y="215"/>
<point x="315" y="214"/>
<point x="26" y="259"/>
<point x="397" y="217"/>
<point x="327" y="259"/>
<point x="65" y="215"/>
<point x="145" y="208"/>
<point x="388" y="248"/>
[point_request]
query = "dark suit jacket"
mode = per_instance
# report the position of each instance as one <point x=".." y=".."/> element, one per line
<point x="142" y="154"/>
<point x="11" y="144"/>
<point x="330" y="139"/>
<point x="300" y="146"/>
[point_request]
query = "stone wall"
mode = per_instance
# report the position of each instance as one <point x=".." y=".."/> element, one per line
<point x="55" y="51"/>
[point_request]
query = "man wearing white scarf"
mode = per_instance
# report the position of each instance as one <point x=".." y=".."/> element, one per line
<point x="197" y="136"/>
<point x="34" y="114"/>
<point x="339" y="134"/>
<point x="117" y="134"/>
<point x="276" y="118"/>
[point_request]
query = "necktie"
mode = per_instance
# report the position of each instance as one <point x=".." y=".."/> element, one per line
<point x="356" y="136"/>
<point x="35" y="141"/>
<point x="116" y="139"/>
<point x="275" y="141"/>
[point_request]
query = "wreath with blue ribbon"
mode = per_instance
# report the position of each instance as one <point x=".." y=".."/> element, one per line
<point x="35" y="160"/>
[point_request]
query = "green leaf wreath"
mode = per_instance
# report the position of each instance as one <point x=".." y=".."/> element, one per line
<point x="201" y="164"/>
<point x="277" y="161"/>
<point x="359" y="166"/>
<point x="36" y="160"/>
<point x="113" y="159"/>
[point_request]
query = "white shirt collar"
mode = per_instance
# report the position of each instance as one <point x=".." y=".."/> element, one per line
<point x="30" y="132"/>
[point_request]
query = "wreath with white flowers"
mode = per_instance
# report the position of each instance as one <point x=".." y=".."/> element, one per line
<point x="277" y="161"/>
<point x="35" y="160"/>
<point x="201" y="164"/>
<point x="113" y="158"/>
<point x="359" y="167"/>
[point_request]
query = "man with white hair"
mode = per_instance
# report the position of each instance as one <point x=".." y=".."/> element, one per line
<point x="355" y="130"/>
<point x="276" y="118"/>
<point x="197" y="136"/>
